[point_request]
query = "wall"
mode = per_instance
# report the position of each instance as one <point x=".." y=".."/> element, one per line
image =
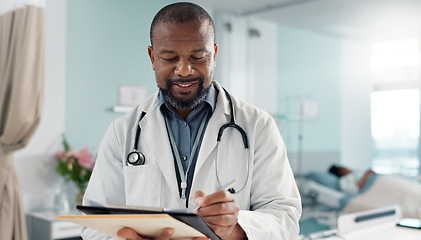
<point x="262" y="65"/>
<point x="106" y="46"/>
<point x="309" y="66"/>
<point x="356" y="87"/>
<point x="246" y="64"/>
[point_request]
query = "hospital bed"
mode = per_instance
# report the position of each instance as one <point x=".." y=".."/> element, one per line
<point x="321" y="206"/>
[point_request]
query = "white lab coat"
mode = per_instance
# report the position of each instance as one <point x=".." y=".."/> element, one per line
<point x="270" y="203"/>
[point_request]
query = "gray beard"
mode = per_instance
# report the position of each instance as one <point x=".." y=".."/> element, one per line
<point x="192" y="102"/>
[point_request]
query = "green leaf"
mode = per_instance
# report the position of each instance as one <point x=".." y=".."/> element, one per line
<point x="65" y="144"/>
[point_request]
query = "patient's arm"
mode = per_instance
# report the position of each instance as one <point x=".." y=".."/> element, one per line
<point x="364" y="179"/>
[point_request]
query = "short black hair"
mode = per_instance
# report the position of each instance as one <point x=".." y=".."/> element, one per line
<point x="335" y="170"/>
<point x="181" y="12"/>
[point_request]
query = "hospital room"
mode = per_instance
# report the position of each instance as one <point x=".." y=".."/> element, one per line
<point x="320" y="138"/>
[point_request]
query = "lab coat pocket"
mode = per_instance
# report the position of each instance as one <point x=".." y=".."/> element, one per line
<point x="143" y="185"/>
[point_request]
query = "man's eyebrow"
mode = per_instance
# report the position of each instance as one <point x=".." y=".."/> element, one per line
<point x="171" y="51"/>
<point x="166" y="51"/>
<point x="199" y="50"/>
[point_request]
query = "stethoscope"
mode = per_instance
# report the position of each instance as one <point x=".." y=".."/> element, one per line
<point x="135" y="157"/>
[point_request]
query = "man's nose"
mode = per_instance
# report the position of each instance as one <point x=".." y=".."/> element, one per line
<point x="184" y="68"/>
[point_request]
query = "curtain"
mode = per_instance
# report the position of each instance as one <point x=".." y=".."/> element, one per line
<point x="21" y="94"/>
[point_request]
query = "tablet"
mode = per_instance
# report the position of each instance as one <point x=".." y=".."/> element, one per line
<point x="184" y="215"/>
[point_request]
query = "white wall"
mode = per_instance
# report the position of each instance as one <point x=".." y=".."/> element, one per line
<point x="231" y="60"/>
<point x="35" y="164"/>
<point x="356" y="87"/>
<point x="245" y="65"/>
<point x="263" y="65"/>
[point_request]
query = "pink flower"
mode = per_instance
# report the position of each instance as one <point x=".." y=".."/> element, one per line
<point x="72" y="153"/>
<point x="61" y="155"/>
<point x="85" y="159"/>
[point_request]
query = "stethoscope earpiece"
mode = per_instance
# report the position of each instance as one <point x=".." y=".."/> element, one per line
<point x="136" y="158"/>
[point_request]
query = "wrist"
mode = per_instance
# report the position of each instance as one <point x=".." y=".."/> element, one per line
<point x="238" y="233"/>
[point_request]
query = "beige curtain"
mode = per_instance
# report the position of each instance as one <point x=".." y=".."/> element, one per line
<point x="21" y="92"/>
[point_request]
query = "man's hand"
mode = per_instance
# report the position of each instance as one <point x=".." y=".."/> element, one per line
<point x="220" y="211"/>
<point x="130" y="234"/>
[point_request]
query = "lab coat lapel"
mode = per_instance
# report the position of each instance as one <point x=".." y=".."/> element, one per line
<point x="219" y="118"/>
<point x="156" y="139"/>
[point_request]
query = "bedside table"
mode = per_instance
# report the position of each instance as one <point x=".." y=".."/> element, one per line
<point x="43" y="225"/>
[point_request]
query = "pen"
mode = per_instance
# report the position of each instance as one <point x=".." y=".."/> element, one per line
<point x="225" y="187"/>
<point x="228" y="185"/>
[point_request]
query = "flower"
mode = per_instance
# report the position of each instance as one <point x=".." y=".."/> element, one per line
<point x="85" y="158"/>
<point x="75" y="165"/>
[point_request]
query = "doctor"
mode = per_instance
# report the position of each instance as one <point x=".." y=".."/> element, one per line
<point x="165" y="153"/>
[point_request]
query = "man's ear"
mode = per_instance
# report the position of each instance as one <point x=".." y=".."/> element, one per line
<point x="150" y="53"/>
<point x="215" y="48"/>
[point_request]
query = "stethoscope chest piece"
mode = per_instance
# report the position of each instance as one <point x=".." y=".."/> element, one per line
<point x="136" y="158"/>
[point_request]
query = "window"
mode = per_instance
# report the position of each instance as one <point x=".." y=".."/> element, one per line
<point x="395" y="127"/>
<point x="395" y="54"/>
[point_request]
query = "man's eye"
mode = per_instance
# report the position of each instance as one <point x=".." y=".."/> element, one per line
<point x="198" y="57"/>
<point x="169" y="59"/>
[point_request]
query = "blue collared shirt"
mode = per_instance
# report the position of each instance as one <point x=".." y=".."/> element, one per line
<point x="185" y="131"/>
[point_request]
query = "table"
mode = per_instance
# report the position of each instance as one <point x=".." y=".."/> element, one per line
<point x="42" y="225"/>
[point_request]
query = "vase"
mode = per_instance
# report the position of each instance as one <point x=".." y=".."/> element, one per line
<point x="62" y="201"/>
<point x="79" y="197"/>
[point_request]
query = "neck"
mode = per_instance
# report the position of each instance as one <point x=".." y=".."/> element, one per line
<point x="184" y="112"/>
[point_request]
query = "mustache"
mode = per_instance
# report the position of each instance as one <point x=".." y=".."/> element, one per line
<point x="176" y="80"/>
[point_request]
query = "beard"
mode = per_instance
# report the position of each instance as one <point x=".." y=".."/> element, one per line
<point x="191" y="102"/>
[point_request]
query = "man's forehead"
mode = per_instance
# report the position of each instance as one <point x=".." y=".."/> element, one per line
<point x="194" y="22"/>
<point x="188" y="31"/>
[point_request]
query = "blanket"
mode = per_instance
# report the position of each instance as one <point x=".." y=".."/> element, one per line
<point x="385" y="190"/>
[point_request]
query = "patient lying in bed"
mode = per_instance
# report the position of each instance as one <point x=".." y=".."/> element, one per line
<point x="332" y="187"/>
<point x="350" y="182"/>
<point x="363" y="191"/>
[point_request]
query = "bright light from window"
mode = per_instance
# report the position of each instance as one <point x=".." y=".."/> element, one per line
<point x="395" y="54"/>
<point x="395" y="126"/>
<point x="395" y="112"/>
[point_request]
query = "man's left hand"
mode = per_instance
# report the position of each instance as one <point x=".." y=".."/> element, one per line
<point x="220" y="211"/>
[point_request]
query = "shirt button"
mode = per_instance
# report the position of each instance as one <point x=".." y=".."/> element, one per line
<point x="184" y="158"/>
<point x="185" y="124"/>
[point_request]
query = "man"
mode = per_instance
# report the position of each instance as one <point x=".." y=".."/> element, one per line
<point x="184" y="164"/>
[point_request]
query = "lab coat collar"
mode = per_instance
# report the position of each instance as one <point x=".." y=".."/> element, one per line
<point x="220" y="116"/>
